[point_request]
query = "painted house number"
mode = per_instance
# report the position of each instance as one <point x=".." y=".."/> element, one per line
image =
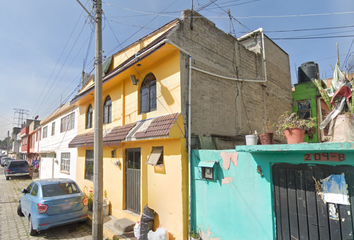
<point x="334" y="157"/>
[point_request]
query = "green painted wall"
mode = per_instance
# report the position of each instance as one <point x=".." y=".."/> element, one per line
<point x="307" y="91"/>
<point x="239" y="203"/>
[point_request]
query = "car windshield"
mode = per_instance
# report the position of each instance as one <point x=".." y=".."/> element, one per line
<point x="18" y="164"/>
<point x="59" y="189"/>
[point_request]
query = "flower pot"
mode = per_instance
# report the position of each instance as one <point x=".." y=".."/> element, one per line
<point x="266" y="138"/>
<point x="251" y="139"/>
<point x="294" y="135"/>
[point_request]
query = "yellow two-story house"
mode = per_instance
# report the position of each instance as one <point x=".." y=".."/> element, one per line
<point x="144" y="145"/>
<point x="176" y="82"/>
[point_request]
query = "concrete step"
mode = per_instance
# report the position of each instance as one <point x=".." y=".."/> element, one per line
<point x="109" y="229"/>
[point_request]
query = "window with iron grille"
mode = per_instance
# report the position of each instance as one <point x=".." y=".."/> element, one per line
<point x="107" y="110"/>
<point x="89" y="114"/>
<point x="89" y="165"/>
<point x="53" y="128"/>
<point x="67" y="123"/>
<point x="65" y="162"/>
<point x="45" y="131"/>
<point x="148" y="94"/>
<point x="304" y="109"/>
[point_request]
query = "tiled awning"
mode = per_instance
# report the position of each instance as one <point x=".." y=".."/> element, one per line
<point x="145" y="129"/>
<point x="117" y="134"/>
<point x="82" y="140"/>
<point x="153" y="127"/>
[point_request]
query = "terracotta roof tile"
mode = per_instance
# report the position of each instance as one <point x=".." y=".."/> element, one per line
<point x="81" y="140"/>
<point x="159" y="126"/>
<point x="117" y="134"/>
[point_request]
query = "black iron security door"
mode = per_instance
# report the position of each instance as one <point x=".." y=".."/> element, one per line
<point x="300" y="209"/>
<point x="132" y="180"/>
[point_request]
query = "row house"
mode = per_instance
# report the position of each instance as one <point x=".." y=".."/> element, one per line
<point x="58" y="129"/>
<point x="178" y="88"/>
<point x="14" y="153"/>
<point x="29" y="142"/>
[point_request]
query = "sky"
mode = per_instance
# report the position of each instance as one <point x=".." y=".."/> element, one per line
<point x="45" y="45"/>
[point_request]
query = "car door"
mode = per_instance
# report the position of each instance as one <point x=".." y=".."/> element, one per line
<point x="25" y="201"/>
<point x="32" y="199"/>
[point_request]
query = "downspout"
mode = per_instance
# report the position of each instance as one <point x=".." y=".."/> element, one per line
<point x="189" y="134"/>
<point x="260" y="30"/>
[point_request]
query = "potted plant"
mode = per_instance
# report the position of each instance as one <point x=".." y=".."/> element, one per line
<point x="89" y="196"/>
<point x="266" y="136"/>
<point x="294" y="128"/>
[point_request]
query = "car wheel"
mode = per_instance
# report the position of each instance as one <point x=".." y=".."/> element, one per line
<point x="7" y="178"/>
<point x="30" y="227"/>
<point x="19" y="210"/>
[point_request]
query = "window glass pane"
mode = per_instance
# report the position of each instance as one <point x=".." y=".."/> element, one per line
<point x="59" y="189"/>
<point x="153" y="97"/>
<point x="29" y="188"/>
<point x="144" y="100"/>
<point x="137" y="160"/>
<point x="89" y="165"/>
<point x="130" y="159"/>
<point x="34" y="190"/>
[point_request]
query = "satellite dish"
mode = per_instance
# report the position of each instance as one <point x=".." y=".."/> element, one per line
<point x="36" y="117"/>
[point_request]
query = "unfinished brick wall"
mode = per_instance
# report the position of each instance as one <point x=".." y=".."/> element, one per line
<point x="227" y="107"/>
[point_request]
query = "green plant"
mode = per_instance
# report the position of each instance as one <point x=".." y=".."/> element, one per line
<point x="268" y="127"/>
<point x="291" y="120"/>
<point x="194" y="234"/>
<point x="88" y="194"/>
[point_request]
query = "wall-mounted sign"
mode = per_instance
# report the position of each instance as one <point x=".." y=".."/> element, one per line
<point x="334" y="157"/>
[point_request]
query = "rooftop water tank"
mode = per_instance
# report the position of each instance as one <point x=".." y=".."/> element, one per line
<point x="308" y="71"/>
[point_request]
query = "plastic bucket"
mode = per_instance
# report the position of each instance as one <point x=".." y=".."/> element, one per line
<point x="251" y="139"/>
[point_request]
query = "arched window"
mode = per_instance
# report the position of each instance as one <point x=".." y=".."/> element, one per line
<point x="148" y="94"/>
<point x="107" y="110"/>
<point x="89" y="114"/>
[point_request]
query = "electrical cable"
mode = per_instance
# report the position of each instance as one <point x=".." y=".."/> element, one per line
<point x="67" y="42"/>
<point x="62" y="65"/>
<point x="144" y="26"/>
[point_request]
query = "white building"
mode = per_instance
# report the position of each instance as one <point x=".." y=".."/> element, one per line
<point x="58" y="129"/>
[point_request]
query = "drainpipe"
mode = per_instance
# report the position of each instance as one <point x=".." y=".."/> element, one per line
<point x="189" y="132"/>
<point x="260" y="30"/>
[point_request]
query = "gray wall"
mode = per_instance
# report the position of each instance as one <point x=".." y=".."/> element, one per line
<point x="227" y="107"/>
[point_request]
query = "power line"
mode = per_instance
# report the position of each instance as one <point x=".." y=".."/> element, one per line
<point x="309" y="38"/>
<point x="144" y="26"/>
<point x="57" y="62"/>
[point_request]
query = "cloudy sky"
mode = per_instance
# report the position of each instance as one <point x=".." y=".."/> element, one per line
<point x="45" y="44"/>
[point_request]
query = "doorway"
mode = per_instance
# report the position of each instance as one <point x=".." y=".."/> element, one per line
<point x="301" y="211"/>
<point x="132" y="180"/>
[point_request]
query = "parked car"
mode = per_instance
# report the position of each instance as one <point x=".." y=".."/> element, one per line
<point x="48" y="203"/>
<point x="4" y="160"/>
<point x="15" y="168"/>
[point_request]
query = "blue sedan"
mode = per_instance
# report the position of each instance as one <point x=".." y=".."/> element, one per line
<point x="48" y="203"/>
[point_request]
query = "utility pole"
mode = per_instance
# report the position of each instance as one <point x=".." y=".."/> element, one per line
<point x="97" y="226"/>
<point x="97" y="220"/>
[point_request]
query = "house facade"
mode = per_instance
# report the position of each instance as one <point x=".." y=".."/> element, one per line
<point x="279" y="191"/>
<point x="28" y="138"/>
<point x="154" y="90"/>
<point x="14" y="153"/>
<point x="58" y="129"/>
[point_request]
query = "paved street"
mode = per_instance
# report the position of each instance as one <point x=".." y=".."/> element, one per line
<point x="14" y="227"/>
